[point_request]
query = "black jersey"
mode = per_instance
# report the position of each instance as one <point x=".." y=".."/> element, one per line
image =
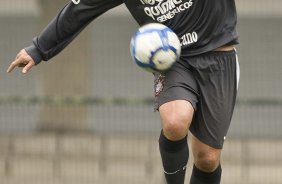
<point x="201" y="25"/>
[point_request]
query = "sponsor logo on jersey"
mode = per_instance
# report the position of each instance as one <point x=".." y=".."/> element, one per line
<point x="189" y="38"/>
<point x="76" y="1"/>
<point x="163" y="10"/>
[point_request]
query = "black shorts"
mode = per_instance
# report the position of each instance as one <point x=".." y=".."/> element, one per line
<point x="209" y="82"/>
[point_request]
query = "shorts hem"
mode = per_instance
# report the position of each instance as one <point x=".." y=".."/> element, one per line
<point x="209" y="143"/>
<point x="157" y="105"/>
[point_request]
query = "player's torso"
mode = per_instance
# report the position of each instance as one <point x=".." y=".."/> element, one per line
<point x="196" y="22"/>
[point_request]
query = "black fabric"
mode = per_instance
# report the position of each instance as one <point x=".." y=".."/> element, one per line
<point x="174" y="156"/>
<point x="171" y="146"/>
<point x="201" y="25"/>
<point x="200" y="177"/>
<point x="209" y="81"/>
<point x="216" y="76"/>
<point x="69" y="22"/>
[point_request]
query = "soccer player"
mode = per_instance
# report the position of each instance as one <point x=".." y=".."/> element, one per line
<point x="198" y="93"/>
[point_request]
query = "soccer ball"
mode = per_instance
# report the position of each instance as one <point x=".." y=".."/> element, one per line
<point x="155" y="47"/>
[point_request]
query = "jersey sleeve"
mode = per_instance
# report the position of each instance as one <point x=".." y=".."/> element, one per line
<point x="70" y="21"/>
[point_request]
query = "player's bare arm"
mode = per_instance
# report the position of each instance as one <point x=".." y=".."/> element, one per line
<point x="22" y="60"/>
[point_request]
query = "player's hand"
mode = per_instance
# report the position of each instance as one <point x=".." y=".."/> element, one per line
<point x="22" y="60"/>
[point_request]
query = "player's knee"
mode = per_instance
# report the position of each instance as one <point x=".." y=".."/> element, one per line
<point x="176" y="117"/>
<point x="207" y="162"/>
<point x="175" y="127"/>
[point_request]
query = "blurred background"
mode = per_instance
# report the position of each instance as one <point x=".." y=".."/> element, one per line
<point x="87" y="115"/>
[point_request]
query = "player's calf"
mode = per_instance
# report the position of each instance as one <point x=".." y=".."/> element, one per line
<point x="174" y="156"/>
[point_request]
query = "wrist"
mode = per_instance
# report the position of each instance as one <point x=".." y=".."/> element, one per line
<point x="34" y="53"/>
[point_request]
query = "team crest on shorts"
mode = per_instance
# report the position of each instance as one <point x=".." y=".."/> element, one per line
<point x="159" y="84"/>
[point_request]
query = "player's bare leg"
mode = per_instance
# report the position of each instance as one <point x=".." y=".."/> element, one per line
<point x="176" y="117"/>
<point x="207" y="169"/>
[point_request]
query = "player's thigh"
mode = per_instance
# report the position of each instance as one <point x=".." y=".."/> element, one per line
<point x="176" y="98"/>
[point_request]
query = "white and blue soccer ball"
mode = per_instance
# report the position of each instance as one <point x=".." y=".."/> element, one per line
<point x="155" y="47"/>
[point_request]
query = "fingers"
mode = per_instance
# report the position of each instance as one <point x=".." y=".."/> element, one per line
<point x="15" y="63"/>
<point x="27" y="67"/>
<point x="22" y="60"/>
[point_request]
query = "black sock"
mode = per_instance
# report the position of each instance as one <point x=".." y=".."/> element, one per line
<point x="175" y="156"/>
<point x="200" y="177"/>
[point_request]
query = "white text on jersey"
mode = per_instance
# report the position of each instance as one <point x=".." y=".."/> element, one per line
<point x="162" y="10"/>
<point x="189" y="38"/>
